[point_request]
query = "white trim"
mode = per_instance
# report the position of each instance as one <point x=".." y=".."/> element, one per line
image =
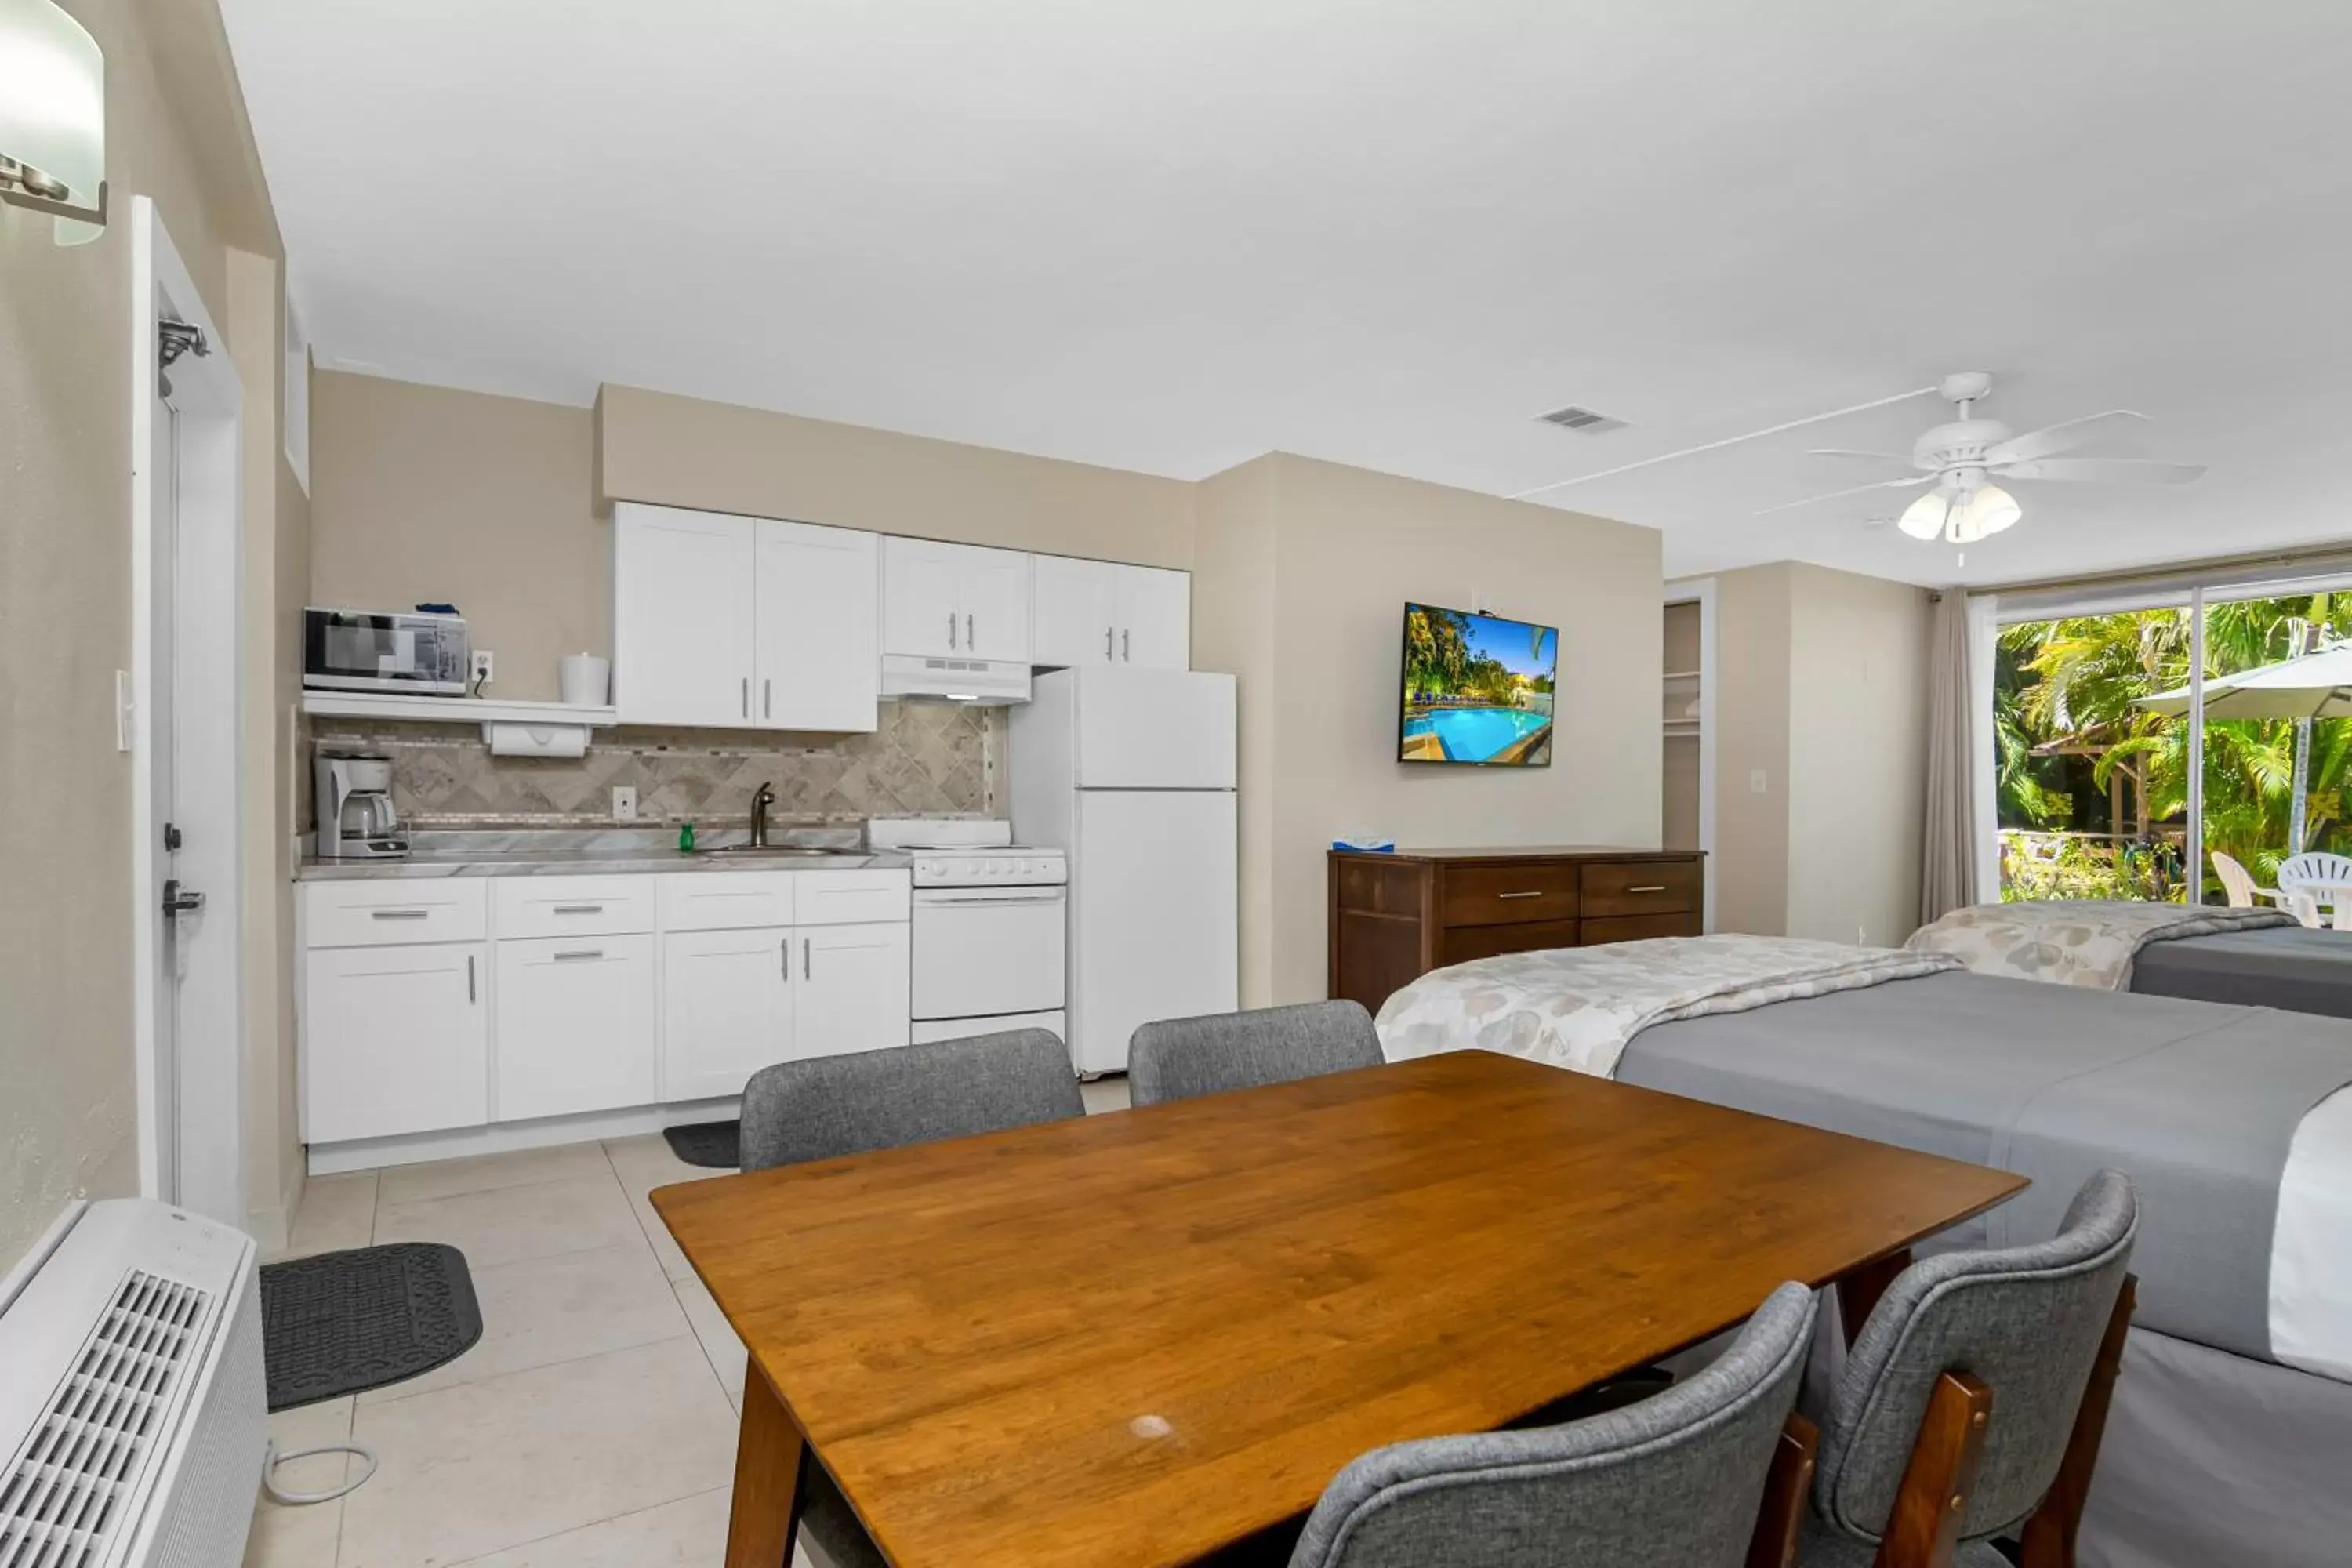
<point x="1701" y="591"/>
<point x="2192" y="873"/>
<point x="1984" y="775"/>
<point x="208" y="1170"/>
<point x="504" y="1137"/>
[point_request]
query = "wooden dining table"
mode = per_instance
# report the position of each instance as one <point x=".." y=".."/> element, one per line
<point x="1130" y="1340"/>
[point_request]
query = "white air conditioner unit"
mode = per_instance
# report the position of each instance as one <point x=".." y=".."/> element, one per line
<point x="132" y="1407"/>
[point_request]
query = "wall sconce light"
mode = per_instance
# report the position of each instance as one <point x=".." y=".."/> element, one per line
<point x="52" y="118"/>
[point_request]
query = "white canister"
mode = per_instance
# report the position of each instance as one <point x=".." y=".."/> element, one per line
<point x="584" y="680"/>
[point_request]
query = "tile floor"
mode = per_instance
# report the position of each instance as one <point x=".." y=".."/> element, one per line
<point x="592" y="1427"/>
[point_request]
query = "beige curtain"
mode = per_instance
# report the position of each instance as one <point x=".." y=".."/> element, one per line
<point x="1947" y="871"/>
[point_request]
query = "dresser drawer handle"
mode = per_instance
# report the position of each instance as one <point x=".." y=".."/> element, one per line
<point x="398" y="914"/>
<point x="579" y="908"/>
<point x="1537" y="894"/>
<point x="1649" y="888"/>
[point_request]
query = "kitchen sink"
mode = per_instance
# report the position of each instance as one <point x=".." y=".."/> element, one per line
<point x="775" y="851"/>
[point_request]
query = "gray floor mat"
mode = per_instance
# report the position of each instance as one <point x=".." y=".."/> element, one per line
<point x="343" y="1321"/>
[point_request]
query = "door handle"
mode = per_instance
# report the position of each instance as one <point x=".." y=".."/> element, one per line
<point x="389" y="914"/>
<point x="1535" y="894"/>
<point x="178" y="901"/>
<point x="582" y="952"/>
<point x="1107" y="631"/>
<point x="784" y="953"/>
<point x="767" y="697"/>
<point x="747" y="697"/>
<point x="952" y="642"/>
<point x="807" y="971"/>
<point x="1124" y="655"/>
<point x="470" y="995"/>
<point x="970" y="636"/>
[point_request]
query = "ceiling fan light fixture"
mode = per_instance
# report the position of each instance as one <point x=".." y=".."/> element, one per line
<point x="1925" y="517"/>
<point x="1981" y="513"/>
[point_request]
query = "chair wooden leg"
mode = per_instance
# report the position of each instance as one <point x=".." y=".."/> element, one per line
<point x="1924" y="1530"/>
<point x="2049" y="1539"/>
<point x="1786" y="1488"/>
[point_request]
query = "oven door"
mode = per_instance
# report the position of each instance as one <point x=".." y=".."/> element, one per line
<point x="981" y="951"/>
<point x="349" y="650"/>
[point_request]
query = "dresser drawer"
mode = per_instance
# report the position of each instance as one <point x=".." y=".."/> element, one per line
<point x="1640" y="888"/>
<point x="852" y="897"/>
<point x="573" y="906"/>
<point x="1640" y="928"/>
<point x="726" y="901"/>
<point x="1506" y="895"/>
<point x="395" y="910"/>
<point x="1463" y="943"/>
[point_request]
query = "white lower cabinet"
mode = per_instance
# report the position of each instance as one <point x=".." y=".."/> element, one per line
<point x="726" y="1009"/>
<point x="576" y="1022"/>
<point x="395" y="1039"/>
<point x="855" y="988"/>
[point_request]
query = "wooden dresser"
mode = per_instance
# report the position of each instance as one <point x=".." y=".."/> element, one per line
<point x="1396" y="917"/>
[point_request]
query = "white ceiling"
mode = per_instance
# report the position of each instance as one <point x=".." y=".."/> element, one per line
<point x="1171" y="235"/>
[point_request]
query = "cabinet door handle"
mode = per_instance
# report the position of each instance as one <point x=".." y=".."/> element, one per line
<point x="579" y="908"/>
<point x="470" y="997"/>
<point x="970" y="637"/>
<point x="952" y="642"/>
<point x="1107" y="631"/>
<point x="1534" y="894"/>
<point x="747" y="697"/>
<point x="398" y="914"/>
<point x="767" y="697"/>
<point x="1125" y="655"/>
<point x="582" y="952"/>
<point x="1651" y="887"/>
<point x="785" y="955"/>
<point x="808" y="973"/>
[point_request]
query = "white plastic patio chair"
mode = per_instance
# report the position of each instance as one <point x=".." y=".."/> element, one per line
<point x="2314" y="878"/>
<point x="2239" y="884"/>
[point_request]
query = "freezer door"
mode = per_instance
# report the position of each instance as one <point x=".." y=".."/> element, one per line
<point x="1154" y="915"/>
<point x="1153" y="729"/>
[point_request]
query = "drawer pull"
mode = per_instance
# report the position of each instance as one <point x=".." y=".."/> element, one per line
<point x="583" y="953"/>
<point x="1536" y="893"/>
<point x="1649" y="888"/>
<point x="579" y="908"/>
<point x="398" y="914"/>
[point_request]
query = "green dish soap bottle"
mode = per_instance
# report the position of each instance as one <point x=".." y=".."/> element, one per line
<point x="686" y="838"/>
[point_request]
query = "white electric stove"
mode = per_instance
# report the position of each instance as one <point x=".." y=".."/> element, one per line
<point x="991" y="926"/>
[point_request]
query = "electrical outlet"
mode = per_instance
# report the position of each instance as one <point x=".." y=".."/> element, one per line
<point x="486" y="667"/>
<point x="624" y="801"/>
<point x="1755" y="784"/>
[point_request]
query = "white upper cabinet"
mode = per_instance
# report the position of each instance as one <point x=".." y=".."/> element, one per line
<point x="738" y="623"/>
<point x="685" y="616"/>
<point x="1097" y="612"/>
<point x="954" y="601"/>
<point x="820" y="629"/>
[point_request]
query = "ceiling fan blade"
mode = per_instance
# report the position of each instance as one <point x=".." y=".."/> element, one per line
<point x="2063" y="437"/>
<point x="2104" y="470"/>
<point x="1915" y="479"/>
<point x="1905" y="459"/>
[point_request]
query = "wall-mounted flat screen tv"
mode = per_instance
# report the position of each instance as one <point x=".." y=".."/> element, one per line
<point x="1477" y="690"/>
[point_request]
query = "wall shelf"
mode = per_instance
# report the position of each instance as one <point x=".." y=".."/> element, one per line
<point x="450" y="710"/>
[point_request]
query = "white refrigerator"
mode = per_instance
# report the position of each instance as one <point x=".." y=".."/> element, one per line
<point x="1130" y="774"/>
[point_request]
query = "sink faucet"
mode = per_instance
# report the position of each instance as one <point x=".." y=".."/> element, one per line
<point x="762" y="799"/>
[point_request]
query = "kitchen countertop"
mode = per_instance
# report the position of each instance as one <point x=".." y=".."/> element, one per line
<point x="533" y="852"/>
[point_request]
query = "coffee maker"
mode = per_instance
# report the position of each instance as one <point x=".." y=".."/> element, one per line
<point x="356" y="818"/>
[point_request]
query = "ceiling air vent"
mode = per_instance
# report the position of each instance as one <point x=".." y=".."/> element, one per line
<point x="1583" y="421"/>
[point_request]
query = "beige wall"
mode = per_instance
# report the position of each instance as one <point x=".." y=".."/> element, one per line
<point x="68" y="1120"/>
<point x="1822" y="679"/>
<point x="422" y="495"/>
<point x="683" y="451"/>
<point x="1303" y="573"/>
<point x="1858" y="753"/>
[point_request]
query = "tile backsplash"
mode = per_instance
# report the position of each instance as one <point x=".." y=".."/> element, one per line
<point x="929" y="759"/>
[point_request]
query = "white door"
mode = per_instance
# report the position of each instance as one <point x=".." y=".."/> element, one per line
<point x="395" y="1040"/>
<point x="1073" y="613"/>
<point x="995" y="591"/>
<point x="1154" y="916"/>
<point x="922" y="600"/>
<point x="853" y="993"/>
<point x="162" y="737"/>
<point x="576" y="1022"/>
<point x="727" y="1009"/>
<point x="979" y="950"/>
<point x="1154" y="728"/>
<point x="684" y="617"/>
<point x="820" y="629"/>
<point x="1155" y="617"/>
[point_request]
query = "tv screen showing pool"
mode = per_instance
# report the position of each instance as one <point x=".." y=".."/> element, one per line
<point x="1477" y="690"/>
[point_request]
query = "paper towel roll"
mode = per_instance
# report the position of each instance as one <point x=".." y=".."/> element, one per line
<point x="537" y="740"/>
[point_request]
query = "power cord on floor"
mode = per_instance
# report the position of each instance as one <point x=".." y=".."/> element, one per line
<point x="272" y="1458"/>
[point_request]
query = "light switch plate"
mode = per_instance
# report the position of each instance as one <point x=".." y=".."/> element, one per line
<point x="624" y="801"/>
<point x="1755" y="784"/>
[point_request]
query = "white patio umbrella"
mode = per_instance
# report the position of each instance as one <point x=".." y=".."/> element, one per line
<point x="2311" y="686"/>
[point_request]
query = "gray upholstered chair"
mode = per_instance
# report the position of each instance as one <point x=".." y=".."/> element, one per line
<point x="1177" y="1059"/>
<point x="829" y="1106"/>
<point x="1674" y="1481"/>
<point x="1981" y="1377"/>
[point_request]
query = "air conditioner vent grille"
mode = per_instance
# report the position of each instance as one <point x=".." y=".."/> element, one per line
<point x="1583" y="421"/>
<point x="63" y="1493"/>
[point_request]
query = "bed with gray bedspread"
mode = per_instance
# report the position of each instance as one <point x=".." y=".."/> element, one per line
<point x="2292" y="967"/>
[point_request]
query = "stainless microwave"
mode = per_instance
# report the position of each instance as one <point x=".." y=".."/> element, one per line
<point x="362" y="650"/>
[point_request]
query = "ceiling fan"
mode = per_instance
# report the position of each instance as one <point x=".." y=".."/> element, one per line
<point x="1961" y="459"/>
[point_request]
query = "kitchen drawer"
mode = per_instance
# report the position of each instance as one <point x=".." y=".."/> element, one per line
<point x="851" y="897"/>
<point x="1640" y="888"/>
<point x="1506" y="895"/>
<point x="1460" y="944"/>
<point x="573" y="906"/>
<point x="400" y="910"/>
<point x="726" y="901"/>
<point x="1639" y="927"/>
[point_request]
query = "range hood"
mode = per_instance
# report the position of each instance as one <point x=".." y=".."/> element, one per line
<point x="986" y="683"/>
